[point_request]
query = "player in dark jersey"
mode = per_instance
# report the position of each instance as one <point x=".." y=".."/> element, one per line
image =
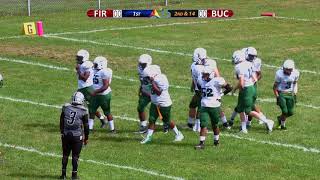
<point x="73" y="124"/>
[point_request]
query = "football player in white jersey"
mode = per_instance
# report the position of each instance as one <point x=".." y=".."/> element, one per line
<point x="102" y="92"/>
<point x="144" y="91"/>
<point x="251" y="55"/>
<point x="160" y="103"/>
<point x="246" y="104"/>
<point x="285" y="89"/>
<point x="200" y="61"/>
<point x="211" y="88"/>
<point x="196" y="68"/>
<point x="84" y="70"/>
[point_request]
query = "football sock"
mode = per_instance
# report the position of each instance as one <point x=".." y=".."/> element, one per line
<point x="283" y="123"/>
<point x="91" y="123"/>
<point x="143" y="123"/>
<point x="263" y="118"/>
<point x="216" y="137"/>
<point x="111" y="125"/>
<point x="224" y="119"/>
<point x="150" y="132"/>
<point x="202" y="139"/>
<point x="175" y="130"/>
<point x="244" y="125"/>
<point x="190" y="120"/>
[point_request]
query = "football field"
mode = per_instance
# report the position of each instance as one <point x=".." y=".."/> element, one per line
<point x="39" y="77"/>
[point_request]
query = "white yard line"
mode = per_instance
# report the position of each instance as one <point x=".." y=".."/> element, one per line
<point x="49" y="154"/>
<point x="269" y="100"/>
<point x="159" y="51"/>
<point x="291" y="146"/>
<point x="297" y="19"/>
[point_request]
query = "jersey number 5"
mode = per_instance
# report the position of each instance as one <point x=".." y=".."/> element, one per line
<point x="207" y="92"/>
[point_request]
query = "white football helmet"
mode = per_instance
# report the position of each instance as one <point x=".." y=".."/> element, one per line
<point x="208" y="71"/>
<point x="199" y="54"/>
<point x="84" y="54"/>
<point x="145" y="59"/>
<point x="238" y="56"/>
<point x="77" y="98"/>
<point x="288" y="64"/>
<point x="251" y="53"/>
<point x="100" y="62"/>
<point x="151" y="71"/>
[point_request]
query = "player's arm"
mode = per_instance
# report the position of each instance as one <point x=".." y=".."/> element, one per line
<point x="241" y="82"/>
<point x="275" y="90"/>
<point x="103" y="88"/>
<point x="83" y="76"/>
<point x="217" y="72"/>
<point x="259" y="75"/>
<point x="85" y="128"/>
<point x="61" y="122"/>
<point x="155" y="88"/>
<point x="227" y="88"/>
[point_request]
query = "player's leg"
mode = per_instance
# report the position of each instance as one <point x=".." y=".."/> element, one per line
<point x="92" y="111"/>
<point x="224" y="120"/>
<point x="215" y="115"/>
<point x="204" y="122"/>
<point x="192" y="111"/>
<point x="196" y="127"/>
<point x="142" y="104"/>
<point x="284" y="111"/>
<point x="153" y="115"/>
<point x="166" y="118"/>
<point x="66" y="149"/>
<point x="105" y="104"/>
<point x="76" y="149"/>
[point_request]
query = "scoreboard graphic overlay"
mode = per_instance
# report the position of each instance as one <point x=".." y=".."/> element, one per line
<point x="153" y="13"/>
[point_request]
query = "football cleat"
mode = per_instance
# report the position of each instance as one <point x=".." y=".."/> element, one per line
<point x="103" y="123"/>
<point x="226" y="125"/>
<point x="283" y="128"/>
<point x="146" y="140"/>
<point x="230" y="123"/>
<point x="165" y="128"/>
<point x="190" y="125"/>
<point x="143" y="129"/>
<point x="270" y="124"/>
<point x="179" y="137"/>
<point x="279" y="122"/>
<point x="63" y="177"/>
<point x="216" y="142"/>
<point x="113" y="131"/>
<point x="199" y="146"/>
<point x="243" y="131"/>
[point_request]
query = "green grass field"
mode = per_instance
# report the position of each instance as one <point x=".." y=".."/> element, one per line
<point x="32" y="94"/>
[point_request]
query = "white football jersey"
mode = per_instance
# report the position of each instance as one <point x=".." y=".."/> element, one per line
<point x="164" y="99"/>
<point x="98" y="78"/>
<point x="285" y="82"/>
<point x="145" y="85"/>
<point x="256" y="65"/>
<point x="245" y="68"/>
<point x="211" y="92"/>
<point x="86" y="67"/>
<point x="196" y="72"/>
<point x="211" y="62"/>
